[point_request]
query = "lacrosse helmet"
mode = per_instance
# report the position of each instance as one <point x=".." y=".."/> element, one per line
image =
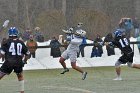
<point x="79" y="24"/>
<point x="13" y="31"/>
<point x="80" y="33"/>
<point x="118" y="33"/>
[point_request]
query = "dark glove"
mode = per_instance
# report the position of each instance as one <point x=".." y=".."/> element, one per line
<point x="23" y="63"/>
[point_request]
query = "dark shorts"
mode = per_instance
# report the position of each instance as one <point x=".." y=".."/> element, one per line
<point x="126" y="58"/>
<point x="8" y="67"/>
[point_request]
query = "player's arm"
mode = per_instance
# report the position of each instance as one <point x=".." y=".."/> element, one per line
<point x="26" y="57"/>
<point x="26" y="53"/>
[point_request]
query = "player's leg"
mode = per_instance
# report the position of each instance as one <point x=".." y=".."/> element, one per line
<point x="130" y="61"/>
<point x="21" y="82"/>
<point x="74" y="66"/>
<point x="136" y="66"/>
<point x="5" y="70"/>
<point x="122" y="60"/>
<point x="19" y="72"/>
<point x="2" y="74"/>
<point x="118" y="70"/>
<point x="73" y="58"/>
<point x="129" y="64"/>
<point x="62" y="62"/>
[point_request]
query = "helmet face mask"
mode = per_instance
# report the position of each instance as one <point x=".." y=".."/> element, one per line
<point x="13" y="32"/>
<point x="80" y="33"/>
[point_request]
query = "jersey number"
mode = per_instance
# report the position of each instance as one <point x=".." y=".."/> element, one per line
<point x="123" y="42"/>
<point x="13" y="50"/>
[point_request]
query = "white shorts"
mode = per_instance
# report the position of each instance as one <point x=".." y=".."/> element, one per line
<point x="72" y="55"/>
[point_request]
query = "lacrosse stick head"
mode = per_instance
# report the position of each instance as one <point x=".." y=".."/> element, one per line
<point x="5" y="24"/>
<point x="37" y="28"/>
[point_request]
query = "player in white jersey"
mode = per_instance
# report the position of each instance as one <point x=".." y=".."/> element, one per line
<point x="71" y="52"/>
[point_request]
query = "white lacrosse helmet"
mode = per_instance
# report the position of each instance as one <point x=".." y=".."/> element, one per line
<point x="80" y="33"/>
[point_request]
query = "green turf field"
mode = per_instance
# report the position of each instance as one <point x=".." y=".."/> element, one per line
<point x="99" y="80"/>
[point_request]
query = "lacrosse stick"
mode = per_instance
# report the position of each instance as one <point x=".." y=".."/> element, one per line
<point x="5" y="24"/>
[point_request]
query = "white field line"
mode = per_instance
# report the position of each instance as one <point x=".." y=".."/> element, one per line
<point x="68" y="88"/>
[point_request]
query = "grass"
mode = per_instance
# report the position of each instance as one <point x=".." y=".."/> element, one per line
<point x="99" y="80"/>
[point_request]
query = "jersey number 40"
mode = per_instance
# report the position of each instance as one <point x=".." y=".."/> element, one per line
<point x="17" y="50"/>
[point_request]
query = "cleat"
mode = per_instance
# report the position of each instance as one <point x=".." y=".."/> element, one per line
<point x="118" y="78"/>
<point x="65" y="70"/>
<point x="84" y="75"/>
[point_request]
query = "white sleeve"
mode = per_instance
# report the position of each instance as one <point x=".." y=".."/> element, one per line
<point x="76" y="41"/>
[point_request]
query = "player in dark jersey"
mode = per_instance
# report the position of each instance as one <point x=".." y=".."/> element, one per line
<point x="127" y="53"/>
<point x="16" y="54"/>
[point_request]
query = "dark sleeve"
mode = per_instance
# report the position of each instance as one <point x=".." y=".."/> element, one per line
<point x="115" y="43"/>
<point x="4" y="46"/>
<point x="25" y="49"/>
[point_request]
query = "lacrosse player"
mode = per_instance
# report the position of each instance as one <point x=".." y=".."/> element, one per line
<point x="127" y="53"/>
<point x="72" y="50"/>
<point x="14" y="50"/>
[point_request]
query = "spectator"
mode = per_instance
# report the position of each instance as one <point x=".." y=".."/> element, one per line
<point x="61" y="41"/>
<point x="136" y="27"/>
<point x="32" y="46"/>
<point x="122" y="24"/>
<point x="55" y="47"/>
<point x="99" y="40"/>
<point x="81" y="48"/>
<point x="138" y="39"/>
<point x="65" y="44"/>
<point x="109" y="47"/>
<point x="95" y="50"/>
<point x="128" y="27"/>
<point x="26" y="34"/>
<point x="38" y="35"/>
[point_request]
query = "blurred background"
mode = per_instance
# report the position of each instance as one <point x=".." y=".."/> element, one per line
<point x="97" y="16"/>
